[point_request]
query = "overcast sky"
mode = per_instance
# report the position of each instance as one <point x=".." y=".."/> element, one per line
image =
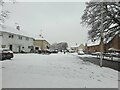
<point x="57" y="21"/>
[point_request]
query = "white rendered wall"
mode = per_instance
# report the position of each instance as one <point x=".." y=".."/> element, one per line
<point x="17" y="42"/>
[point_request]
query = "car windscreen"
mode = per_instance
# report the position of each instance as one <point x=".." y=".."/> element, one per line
<point x="6" y="50"/>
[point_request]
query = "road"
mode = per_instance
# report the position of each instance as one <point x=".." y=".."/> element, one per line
<point x="55" y="71"/>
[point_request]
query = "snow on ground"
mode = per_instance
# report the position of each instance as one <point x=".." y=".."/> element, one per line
<point x="55" y="71"/>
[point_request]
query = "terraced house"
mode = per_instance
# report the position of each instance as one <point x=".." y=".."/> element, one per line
<point x="112" y="43"/>
<point x="15" y="39"/>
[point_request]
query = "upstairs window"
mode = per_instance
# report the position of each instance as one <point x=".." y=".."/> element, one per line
<point x="11" y="36"/>
<point x="27" y="39"/>
<point x="20" y="37"/>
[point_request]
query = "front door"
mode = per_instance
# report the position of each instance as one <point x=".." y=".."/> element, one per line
<point x="19" y="48"/>
<point x="11" y="47"/>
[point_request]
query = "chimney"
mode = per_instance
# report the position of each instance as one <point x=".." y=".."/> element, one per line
<point x="18" y="27"/>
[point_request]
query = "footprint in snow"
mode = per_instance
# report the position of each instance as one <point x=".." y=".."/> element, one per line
<point x="99" y="80"/>
<point x="92" y="72"/>
<point x="81" y="68"/>
<point x="3" y="67"/>
<point x="90" y="76"/>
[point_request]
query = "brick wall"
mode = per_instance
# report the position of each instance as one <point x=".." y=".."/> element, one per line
<point x="114" y="43"/>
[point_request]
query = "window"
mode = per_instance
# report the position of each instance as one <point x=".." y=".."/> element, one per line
<point x="11" y="36"/>
<point x="3" y="46"/>
<point x="27" y="38"/>
<point x="30" y="47"/>
<point x="20" y="37"/>
<point x="110" y="45"/>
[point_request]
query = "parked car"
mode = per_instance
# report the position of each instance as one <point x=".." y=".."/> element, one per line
<point x="6" y="53"/>
<point x="96" y="53"/>
<point x="81" y="53"/>
<point x="2" y="54"/>
<point x="54" y="51"/>
<point x="45" y="51"/>
<point x="115" y="54"/>
<point x="71" y="51"/>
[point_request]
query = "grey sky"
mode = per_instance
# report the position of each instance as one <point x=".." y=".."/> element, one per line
<point x="58" y="21"/>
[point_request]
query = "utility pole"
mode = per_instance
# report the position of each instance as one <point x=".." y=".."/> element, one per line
<point x="101" y="36"/>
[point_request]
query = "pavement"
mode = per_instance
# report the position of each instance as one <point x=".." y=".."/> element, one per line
<point x="106" y="63"/>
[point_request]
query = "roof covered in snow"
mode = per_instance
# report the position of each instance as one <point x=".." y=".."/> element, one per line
<point x="38" y="38"/>
<point x="113" y="25"/>
<point x="97" y="42"/>
<point x="12" y="30"/>
<point x="75" y="46"/>
<point x="110" y="38"/>
<point x="91" y="43"/>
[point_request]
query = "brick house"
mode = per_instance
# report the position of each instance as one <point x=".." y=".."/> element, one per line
<point x="113" y="42"/>
<point x="92" y="46"/>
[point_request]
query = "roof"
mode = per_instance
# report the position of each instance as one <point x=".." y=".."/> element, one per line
<point x="75" y="46"/>
<point x="113" y="25"/>
<point x="113" y="49"/>
<point x="38" y="38"/>
<point x="110" y="38"/>
<point x="11" y="30"/>
<point x="97" y="42"/>
<point x="90" y="43"/>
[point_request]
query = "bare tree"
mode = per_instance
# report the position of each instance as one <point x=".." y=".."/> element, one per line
<point x="111" y="18"/>
<point x="4" y="13"/>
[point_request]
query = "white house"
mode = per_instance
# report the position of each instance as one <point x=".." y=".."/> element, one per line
<point x="15" y="39"/>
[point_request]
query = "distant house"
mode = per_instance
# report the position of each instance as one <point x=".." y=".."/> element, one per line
<point x="74" y="48"/>
<point x="112" y="42"/>
<point x="15" y="39"/>
<point x="78" y="47"/>
<point x="81" y="47"/>
<point x="41" y="44"/>
<point x="92" y="46"/>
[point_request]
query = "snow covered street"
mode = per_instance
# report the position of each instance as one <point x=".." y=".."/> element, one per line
<point x="55" y="71"/>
